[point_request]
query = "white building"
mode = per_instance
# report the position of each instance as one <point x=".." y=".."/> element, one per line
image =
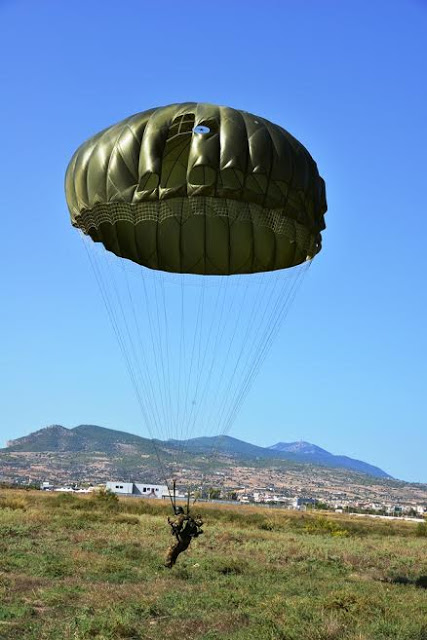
<point x="301" y="503"/>
<point x="143" y="490"/>
<point x="46" y="486"/>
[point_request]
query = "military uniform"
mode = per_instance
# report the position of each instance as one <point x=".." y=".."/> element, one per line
<point x="184" y="528"/>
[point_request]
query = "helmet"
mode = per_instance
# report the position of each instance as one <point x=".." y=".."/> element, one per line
<point x="179" y="511"/>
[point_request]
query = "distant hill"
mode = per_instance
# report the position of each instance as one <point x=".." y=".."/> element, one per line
<point x="225" y="444"/>
<point x="84" y="438"/>
<point x="92" y="439"/>
<point x="305" y="451"/>
<point x="300" y="447"/>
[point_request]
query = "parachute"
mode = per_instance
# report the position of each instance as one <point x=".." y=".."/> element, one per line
<point x="214" y="214"/>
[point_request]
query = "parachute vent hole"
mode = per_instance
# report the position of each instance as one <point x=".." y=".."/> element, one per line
<point x="201" y="128"/>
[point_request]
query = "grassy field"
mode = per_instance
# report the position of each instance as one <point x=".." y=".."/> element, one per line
<point x="78" y="568"/>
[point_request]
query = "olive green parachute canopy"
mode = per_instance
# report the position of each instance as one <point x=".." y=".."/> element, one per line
<point x="198" y="188"/>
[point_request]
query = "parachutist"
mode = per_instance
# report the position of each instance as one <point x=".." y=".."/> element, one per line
<point x="184" y="528"/>
<point x="235" y="196"/>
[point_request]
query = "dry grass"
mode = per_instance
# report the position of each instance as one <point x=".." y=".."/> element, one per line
<point x="81" y="568"/>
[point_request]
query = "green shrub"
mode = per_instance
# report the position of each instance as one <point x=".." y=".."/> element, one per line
<point x="62" y="500"/>
<point x="106" y="499"/>
<point x="13" y="503"/>
<point x="325" y="526"/>
<point x="271" y="525"/>
<point x="229" y="566"/>
<point x="15" y="531"/>
<point x="125" y="518"/>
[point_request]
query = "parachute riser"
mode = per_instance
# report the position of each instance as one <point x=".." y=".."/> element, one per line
<point x="188" y="499"/>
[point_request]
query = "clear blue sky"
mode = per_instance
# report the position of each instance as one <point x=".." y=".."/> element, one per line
<point x="348" y="79"/>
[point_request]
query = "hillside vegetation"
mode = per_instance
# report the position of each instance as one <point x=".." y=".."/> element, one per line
<point x="94" y="439"/>
<point x="78" y="568"/>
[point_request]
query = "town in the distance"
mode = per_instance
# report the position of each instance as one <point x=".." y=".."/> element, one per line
<point x="295" y="475"/>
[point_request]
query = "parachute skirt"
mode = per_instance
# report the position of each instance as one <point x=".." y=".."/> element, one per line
<point x="200" y="235"/>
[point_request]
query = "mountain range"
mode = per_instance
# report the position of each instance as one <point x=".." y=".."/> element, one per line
<point x="92" y="439"/>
